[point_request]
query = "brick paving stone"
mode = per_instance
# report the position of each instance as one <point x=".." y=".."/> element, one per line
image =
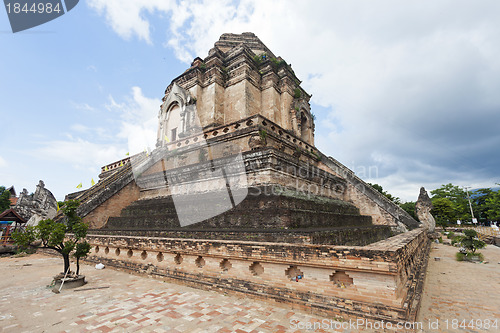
<point x="142" y="304"/>
<point x="460" y="290"/>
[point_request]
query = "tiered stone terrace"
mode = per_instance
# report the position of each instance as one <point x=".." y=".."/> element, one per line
<point x="379" y="281"/>
<point x="306" y="245"/>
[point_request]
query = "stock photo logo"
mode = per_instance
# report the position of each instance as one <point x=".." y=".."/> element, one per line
<point x="26" y="14"/>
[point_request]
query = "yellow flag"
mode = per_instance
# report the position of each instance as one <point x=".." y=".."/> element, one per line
<point x="166" y="139"/>
<point x="126" y="154"/>
<point x="79" y="185"/>
<point x="57" y="203"/>
<point x="106" y="168"/>
<point x="92" y="182"/>
<point x="121" y="163"/>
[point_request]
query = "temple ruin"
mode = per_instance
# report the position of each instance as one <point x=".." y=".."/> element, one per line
<point x="236" y="197"/>
<point x="36" y="206"/>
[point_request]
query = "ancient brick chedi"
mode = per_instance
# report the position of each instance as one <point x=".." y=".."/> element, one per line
<point x="236" y="196"/>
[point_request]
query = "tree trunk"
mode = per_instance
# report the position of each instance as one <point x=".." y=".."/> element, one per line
<point x="77" y="266"/>
<point x="66" y="262"/>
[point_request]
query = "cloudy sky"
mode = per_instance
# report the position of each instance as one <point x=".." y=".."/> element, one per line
<point x="405" y="94"/>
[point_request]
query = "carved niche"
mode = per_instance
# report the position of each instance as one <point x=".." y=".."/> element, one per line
<point x="177" y="117"/>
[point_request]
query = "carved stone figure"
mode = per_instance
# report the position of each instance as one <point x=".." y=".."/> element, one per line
<point x="256" y="141"/>
<point x="38" y="206"/>
<point x="423" y="210"/>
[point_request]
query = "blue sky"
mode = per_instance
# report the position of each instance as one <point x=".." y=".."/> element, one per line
<point x="404" y="94"/>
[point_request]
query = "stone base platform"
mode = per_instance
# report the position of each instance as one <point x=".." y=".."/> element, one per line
<point x="266" y="216"/>
<point x="70" y="283"/>
<point x="381" y="281"/>
<point x="351" y="236"/>
<point x="265" y="210"/>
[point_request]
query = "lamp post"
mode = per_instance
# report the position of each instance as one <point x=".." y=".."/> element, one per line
<point x="470" y="204"/>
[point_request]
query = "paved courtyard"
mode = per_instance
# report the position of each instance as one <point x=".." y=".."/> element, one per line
<point x="115" y="301"/>
<point x="122" y="302"/>
<point x="457" y="291"/>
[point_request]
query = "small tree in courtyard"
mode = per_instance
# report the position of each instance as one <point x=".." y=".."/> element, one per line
<point x="470" y="243"/>
<point x="61" y="237"/>
<point x="82" y="248"/>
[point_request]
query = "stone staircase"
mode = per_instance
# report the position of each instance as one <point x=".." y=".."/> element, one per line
<point x="276" y="218"/>
<point x="100" y="192"/>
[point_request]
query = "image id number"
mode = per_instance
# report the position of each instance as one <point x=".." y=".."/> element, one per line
<point x="35" y="8"/>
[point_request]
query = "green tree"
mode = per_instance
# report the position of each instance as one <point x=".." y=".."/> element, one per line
<point x="409" y="207"/>
<point x="24" y="239"/>
<point x="61" y="237"/>
<point x="479" y="201"/>
<point x="458" y="199"/>
<point x="52" y="235"/>
<point x="4" y="199"/>
<point x="443" y="210"/>
<point x="470" y="242"/>
<point x="82" y="247"/>
<point x="492" y="206"/>
<point x="389" y="196"/>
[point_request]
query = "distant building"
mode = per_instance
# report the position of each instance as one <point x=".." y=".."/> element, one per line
<point x="10" y="221"/>
<point x="13" y="196"/>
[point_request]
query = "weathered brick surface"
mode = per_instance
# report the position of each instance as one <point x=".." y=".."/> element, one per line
<point x="356" y="236"/>
<point x="98" y="217"/>
<point x="379" y="281"/>
<point x="251" y="103"/>
<point x="284" y="163"/>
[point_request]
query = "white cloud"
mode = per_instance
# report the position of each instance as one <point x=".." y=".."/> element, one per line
<point x="80" y="128"/>
<point x="125" y="17"/>
<point x="91" y="147"/>
<point x="408" y="87"/>
<point x="128" y="19"/>
<point x="82" y="106"/>
<point x="92" y="68"/>
<point x="79" y="152"/>
<point x="139" y="120"/>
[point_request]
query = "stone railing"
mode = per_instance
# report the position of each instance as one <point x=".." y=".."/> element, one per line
<point x="115" y="165"/>
<point x="399" y="215"/>
<point x="249" y="122"/>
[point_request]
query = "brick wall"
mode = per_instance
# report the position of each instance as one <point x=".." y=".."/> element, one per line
<point x="98" y="217"/>
<point x="378" y="282"/>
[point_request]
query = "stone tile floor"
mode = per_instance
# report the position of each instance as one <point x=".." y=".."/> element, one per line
<point x="130" y="303"/>
<point x="457" y="291"/>
<point x="126" y="303"/>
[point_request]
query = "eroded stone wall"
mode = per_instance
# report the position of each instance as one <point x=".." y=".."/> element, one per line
<point x="378" y="282"/>
<point x="37" y="206"/>
<point x="370" y="201"/>
<point x="98" y="217"/>
<point x="234" y="82"/>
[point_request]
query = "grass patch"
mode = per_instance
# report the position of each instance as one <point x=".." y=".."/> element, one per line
<point x="469" y="256"/>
